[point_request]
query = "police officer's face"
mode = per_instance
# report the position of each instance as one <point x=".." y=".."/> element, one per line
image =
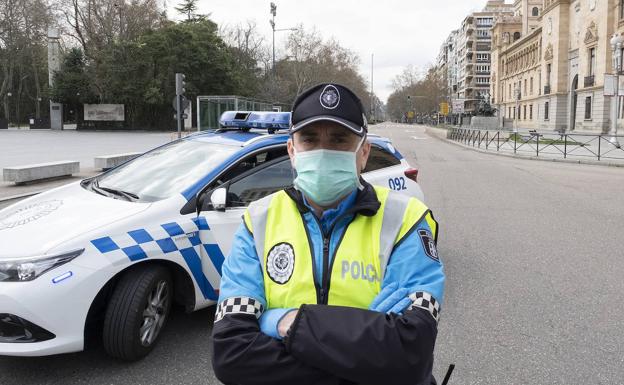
<point x="328" y="136"/>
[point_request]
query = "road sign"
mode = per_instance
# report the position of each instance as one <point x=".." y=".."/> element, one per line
<point x="444" y="108"/>
<point x="458" y="106"/>
<point x="185" y="103"/>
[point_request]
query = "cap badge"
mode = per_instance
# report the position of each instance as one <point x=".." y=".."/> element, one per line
<point x="330" y="97"/>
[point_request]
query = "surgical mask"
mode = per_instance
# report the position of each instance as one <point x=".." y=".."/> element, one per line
<point x="325" y="176"/>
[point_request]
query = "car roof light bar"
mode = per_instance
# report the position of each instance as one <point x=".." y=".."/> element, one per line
<point x="255" y="119"/>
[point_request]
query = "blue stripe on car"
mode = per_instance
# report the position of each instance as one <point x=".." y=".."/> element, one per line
<point x="142" y="237"/>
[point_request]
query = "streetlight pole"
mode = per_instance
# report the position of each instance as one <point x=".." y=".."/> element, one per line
<point x="371" y="93"/>
<point x="517" y="109"/>
<point x="617" y="41"/>
<point x="9" y="109"/>
<point x="272" y="21"/>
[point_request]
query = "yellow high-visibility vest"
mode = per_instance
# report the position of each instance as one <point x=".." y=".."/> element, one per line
<point x="358" y="266"/>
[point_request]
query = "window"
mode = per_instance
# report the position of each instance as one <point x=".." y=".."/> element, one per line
<point x="514" y="112"/>
<point x="535" y="12"/>
<point x="592" y="61"/>
<point x="588" y="105"/>
<point x="530" y="112"/>
<point x="380" y="158"/>
<point x="546" y="111"/>
<point x="167" y="170"/>
<point x="525" y="112"/>
<point x="531" y="86"/>
<point x="510" y="91"/>
<point x="516" y="36"/>
<point x="548" y="71"/>
<point x="621" y="9"/>
<point x="269" y="178"/>
<point x="525" y="86"/>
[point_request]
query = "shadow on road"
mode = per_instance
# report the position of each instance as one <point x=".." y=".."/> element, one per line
<point x="182" y="356"/>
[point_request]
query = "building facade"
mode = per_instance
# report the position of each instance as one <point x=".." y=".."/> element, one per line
<point x="549" y="61"/>
<point x="474" y="45"/>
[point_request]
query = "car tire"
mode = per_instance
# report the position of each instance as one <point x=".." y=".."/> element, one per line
<point x="137" y="312"/>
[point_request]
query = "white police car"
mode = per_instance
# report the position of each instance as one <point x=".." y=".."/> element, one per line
<point x="110" y="254"/>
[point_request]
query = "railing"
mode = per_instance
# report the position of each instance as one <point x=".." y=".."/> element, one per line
<point x="551" y="145"/>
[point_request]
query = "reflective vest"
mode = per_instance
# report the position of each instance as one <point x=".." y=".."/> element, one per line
<point x="353" y="276"/>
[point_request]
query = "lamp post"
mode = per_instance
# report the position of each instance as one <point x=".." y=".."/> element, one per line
<point x="617" y="41"/>
<point x="517" y="108"/>
<point x="272" y="22"/>
<point x="9" y="109"/>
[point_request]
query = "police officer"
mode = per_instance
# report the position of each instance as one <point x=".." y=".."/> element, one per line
<point x="333" y="281"/>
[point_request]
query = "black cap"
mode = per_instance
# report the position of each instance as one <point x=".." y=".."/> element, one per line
<point x="329" y="102"/>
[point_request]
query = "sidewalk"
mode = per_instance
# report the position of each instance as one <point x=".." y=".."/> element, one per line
<point x="21" y="147"/>
<point x="580" y="154"/>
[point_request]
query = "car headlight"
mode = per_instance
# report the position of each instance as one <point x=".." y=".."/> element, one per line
<point x="27" y="269"/>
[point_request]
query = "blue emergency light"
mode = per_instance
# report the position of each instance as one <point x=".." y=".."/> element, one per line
<point x="255" y="119"/>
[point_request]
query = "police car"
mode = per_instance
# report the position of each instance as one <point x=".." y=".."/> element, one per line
<point x="109" y="255"/>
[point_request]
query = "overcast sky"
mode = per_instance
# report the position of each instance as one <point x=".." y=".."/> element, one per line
<point x="399" y="33"/>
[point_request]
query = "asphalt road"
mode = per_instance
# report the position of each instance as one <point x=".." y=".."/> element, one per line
<point x="533" y="256"/>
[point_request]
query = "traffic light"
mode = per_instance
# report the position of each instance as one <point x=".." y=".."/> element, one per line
<point x="273" y="9"/>
<point x="180" y="84"/>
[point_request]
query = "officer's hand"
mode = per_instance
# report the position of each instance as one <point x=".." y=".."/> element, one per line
<point x="391" y="300"/>
<point x="286" y="322"/>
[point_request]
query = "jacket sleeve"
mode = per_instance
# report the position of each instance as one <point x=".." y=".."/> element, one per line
<point x="242" y="353"/>
<point x="369" y="347"/>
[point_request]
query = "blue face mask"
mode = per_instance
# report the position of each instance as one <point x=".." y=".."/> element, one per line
<point x="325" y="176"/>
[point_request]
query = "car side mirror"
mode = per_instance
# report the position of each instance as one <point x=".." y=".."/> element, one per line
<point x="218" y="199"/>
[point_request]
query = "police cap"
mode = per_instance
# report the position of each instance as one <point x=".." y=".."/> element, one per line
<point x="329" y="102"/>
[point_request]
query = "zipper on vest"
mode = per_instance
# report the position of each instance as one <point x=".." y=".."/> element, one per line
<point x="325" y="269"/>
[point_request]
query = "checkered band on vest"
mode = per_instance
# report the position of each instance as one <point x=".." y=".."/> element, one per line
<point x="425" y="301"/>
<point x="239" y="305"/>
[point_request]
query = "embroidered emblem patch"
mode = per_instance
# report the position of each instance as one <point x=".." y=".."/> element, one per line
<point x="330" y="97"/>
<point x="429" y="244"/>
<point x="281" y="263"/>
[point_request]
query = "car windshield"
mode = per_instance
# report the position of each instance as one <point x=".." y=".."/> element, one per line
<point x="165" y="171"/>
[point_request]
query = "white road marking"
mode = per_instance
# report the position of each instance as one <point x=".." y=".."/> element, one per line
<point x="417" y="138"/>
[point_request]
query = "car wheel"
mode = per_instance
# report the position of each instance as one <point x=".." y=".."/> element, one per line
<point x="137" y="312"/>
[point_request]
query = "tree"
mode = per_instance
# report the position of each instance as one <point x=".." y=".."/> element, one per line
<point x="417" y="91"/>
<point x="23" y="27"/>
<point x="189" y="8"/>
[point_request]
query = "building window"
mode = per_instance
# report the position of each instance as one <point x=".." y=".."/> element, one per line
<point x="546" y="111"/>
<point x="535" y="11"/>
<point x="588" y="105"/>
<point x="531" y="86"/>
<point x="548" y="71"/>
<point x="516" y="36"/>
<point x="621" y="9"/>
<point x="510" y="91"/>
<point x="524" y="112"/>
<point x="592" y="61"/>
<point x="525" y="87"/>
<point x="530" y="112"/>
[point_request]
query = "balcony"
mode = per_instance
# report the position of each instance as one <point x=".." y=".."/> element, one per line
<point x="546" y="90"/>
<point x="589" y="81"/>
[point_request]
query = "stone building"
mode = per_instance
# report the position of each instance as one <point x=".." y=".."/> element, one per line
<point x="549" y="61"/>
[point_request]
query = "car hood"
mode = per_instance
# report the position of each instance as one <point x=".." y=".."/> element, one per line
<point x="36" y="225"/>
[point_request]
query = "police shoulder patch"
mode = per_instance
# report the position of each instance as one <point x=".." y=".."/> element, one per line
<point x="280" y="263"/>
<point x="429" y="244"/>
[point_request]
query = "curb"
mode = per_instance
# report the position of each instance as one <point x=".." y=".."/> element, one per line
<point x="441" y="135"/>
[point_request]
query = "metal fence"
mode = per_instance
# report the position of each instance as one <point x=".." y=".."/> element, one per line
<point x="558" y="145"/>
